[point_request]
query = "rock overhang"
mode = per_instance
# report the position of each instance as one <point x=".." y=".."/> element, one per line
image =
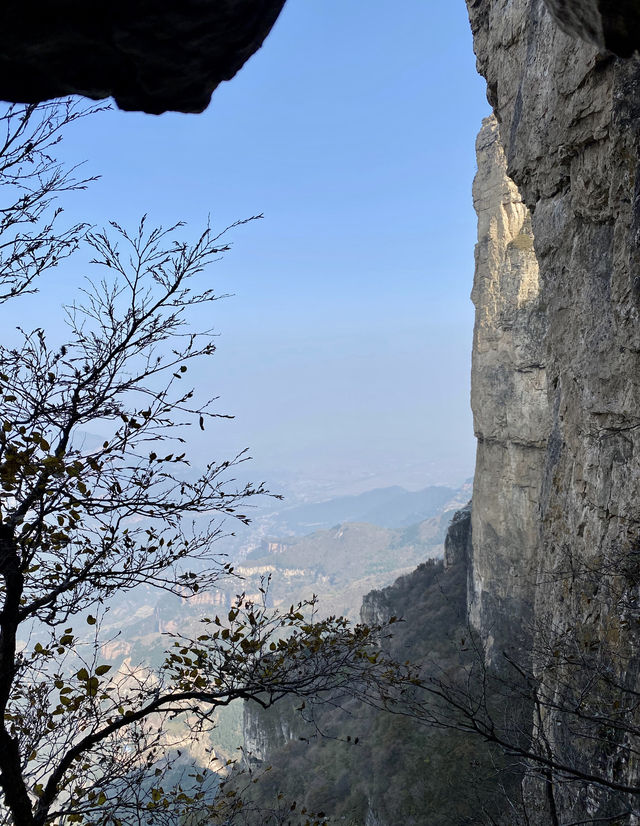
<point x="612" y="25"/>
<point x="149" y="55"/>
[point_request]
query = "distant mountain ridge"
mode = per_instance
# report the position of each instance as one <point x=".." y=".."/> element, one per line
<point x="338" y="562"/>
<point x="391" y="507"/>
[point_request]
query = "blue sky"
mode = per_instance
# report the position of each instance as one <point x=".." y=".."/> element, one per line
<point x="345" y="351"/>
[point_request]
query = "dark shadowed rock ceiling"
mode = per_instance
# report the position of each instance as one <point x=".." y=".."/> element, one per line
<point x="150" y="55"/>
<point x="610" y="24"/>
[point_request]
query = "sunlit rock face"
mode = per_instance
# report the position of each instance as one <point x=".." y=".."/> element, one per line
<point x="570" y="128"/>
<point x="457" y="543"/>
<point x="150" y="56"/>
<point x="558" y="477"/>
<point x="508" y="397"/>
<point x="609" y="24"/>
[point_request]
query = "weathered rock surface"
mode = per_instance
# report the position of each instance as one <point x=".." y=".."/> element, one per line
<point x="150" y="56"/>
<point x="558" y="476"/>
<point x="609" y="24"/>
<point x="457" y="543"/>
<point x="508" y="397"/>
<point x="264" y="732"/>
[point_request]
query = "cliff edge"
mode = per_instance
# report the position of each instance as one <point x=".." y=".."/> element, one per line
<point x="556" y="362"/>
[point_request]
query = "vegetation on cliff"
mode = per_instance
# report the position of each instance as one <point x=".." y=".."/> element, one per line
<point x="358" y="764"/>
<point x="80" y="741"/>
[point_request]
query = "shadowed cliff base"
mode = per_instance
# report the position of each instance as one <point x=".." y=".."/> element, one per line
<point x="152" y="57"/>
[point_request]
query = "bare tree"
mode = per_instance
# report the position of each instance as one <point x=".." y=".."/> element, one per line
<point x="31" y="179"/>
<point x="78" y="525"/>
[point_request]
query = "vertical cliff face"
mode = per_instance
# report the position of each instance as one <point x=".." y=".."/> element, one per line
<point x="263" y="733"/>
<point x="556" y="369"/>
<point x="508" y="396"/>
<point x="569" y="121"/>
<point x="457" y="543"/>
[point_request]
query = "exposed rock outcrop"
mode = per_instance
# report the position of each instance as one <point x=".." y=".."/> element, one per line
<point x="457" y="543"/>
<point x="557" y="487"/>
<point x="263" y="732"/>
<point x="149" y="56"/>
<point x="609" y="24"/>
<point x="508" y="397"/>
<point x="569" y="124"/>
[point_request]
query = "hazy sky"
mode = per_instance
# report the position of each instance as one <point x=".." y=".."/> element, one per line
<point x="345" y="351"/>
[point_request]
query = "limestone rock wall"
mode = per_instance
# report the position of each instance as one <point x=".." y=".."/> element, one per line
<point x="558" y="474"/>
<point x="457" y="543"/>
<point x="508" y="397"/>
<point x="569" y="125"/>
<point x="264" y="732"/>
